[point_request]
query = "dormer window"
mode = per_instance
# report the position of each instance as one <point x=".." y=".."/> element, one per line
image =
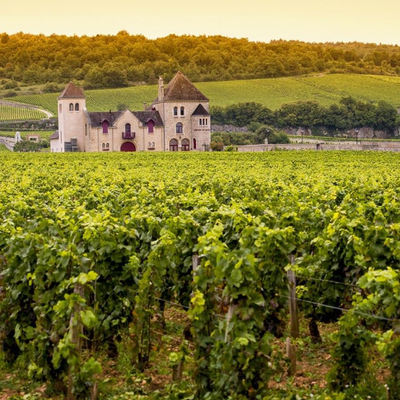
<point x="150" y="126"/>
<point x="105" y="126"/>
<point x="128" y="128"/>
<point x="77" y="107"/>
<point x="182" y="111"/>
<point x="71" y="107"/>
<point x="175" y="111"/>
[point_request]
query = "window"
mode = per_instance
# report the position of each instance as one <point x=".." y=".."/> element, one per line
<point x="103" y="145"/>
<point x="182" y="111"/>
<point x="105" y="125"/>
<point x="71" y="107"/>
<point x="173" y="145"/>
<point x="127" y="128"/>
<point x="85" y="129"/>
<point x="179" y="127"/>
<point x="150" y="126"/>
<point x="60" y="108"/>
<point x="175" y="111"/>
<point x="185" y="145"/>
<point x="77" y="107"/>
<point x="206" y="121"/>
<point x="194" y="144"/>
<point x="200" y="122"/>
<point x="107" y="145"/>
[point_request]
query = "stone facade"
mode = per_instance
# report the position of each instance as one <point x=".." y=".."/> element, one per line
<point x="178" y="120"/>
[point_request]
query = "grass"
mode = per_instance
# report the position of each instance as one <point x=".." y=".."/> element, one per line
<point x="326" y="89"/>
<point x="3" y="148"/>
<point x="43" y="134"/>
<point x="10" y="113"/>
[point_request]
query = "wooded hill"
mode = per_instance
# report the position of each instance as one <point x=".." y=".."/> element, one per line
<point x="116" y="61"/>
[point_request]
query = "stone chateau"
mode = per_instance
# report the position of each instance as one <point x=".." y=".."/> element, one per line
<point x="178" y="120"/>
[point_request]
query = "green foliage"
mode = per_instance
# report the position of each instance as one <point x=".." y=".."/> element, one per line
<point x="39" y="59"/>
<point x="103" y="243"/>
<point x="271" y="93"/>
<point x="30" y="147"/>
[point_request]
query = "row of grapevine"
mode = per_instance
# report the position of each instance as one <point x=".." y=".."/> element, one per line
<point x="10" y="113"/>
<point x="99" y="244"/>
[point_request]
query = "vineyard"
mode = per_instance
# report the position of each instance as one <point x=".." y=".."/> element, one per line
<point x="10" y="113"/>
<point x="273" y="93"/>
<point x="200" y="276"/>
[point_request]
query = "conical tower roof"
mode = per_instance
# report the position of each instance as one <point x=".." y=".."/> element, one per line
<point x="180" y="88"/>
<point x="72" y="92"/>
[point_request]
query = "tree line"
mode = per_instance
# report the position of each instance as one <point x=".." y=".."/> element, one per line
<point x="348" y="114"/>
<point x="119" y="60"/>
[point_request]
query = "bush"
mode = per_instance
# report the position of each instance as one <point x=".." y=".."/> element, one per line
<point x="217" y="146"/>
<point x="10" y="93"/>
<point x="278" y="138"/>
<point x="231" y="148"/>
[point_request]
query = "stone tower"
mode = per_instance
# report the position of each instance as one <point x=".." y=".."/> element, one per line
<point x="71" y="117"/>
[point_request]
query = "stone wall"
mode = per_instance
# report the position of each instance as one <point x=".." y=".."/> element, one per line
<point x="364" y="146"/>
<point x="228" y="128"/>
<point x="363" y="133"/>
<point x="43" y="125"/>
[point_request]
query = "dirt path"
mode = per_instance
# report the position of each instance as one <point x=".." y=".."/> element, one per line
<point x="20" y="105"/>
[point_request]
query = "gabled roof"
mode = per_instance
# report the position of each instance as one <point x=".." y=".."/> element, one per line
<point x="146" y="116"/>
<point x="97" y="118"/>
<point x="72" y="92"/>
<point x="200" y="110"/>
<point x="54" y="136"/>
<point x="180" y="88"/>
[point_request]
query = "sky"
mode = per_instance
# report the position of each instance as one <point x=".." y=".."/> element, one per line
<point x="258" y="20"/>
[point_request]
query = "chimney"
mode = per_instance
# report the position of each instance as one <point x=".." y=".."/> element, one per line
<point x="160" y="89"/>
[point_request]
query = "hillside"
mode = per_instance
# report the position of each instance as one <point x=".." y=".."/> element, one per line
<point x="118" y="60"/>
<point x="273" y="92"/>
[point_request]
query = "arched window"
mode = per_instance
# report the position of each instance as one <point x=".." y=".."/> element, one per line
<point x="77" y="107"/>
<point x="103" y="145"/>
<point x="182" y="111"/>
<point x="127" y="128"/>
<point x="194" y="144"/>
<point x="175" y="111"/>
<point x="200" y="121"/>
<point x="179" y="127"/>
<point x="150" y="126"/>
<point x="71" y="107"/>
<point x="108" y="145"/>
<point x="173" y="145"/>
<point x="105" y="125"/>
<point x="185" y="145"/>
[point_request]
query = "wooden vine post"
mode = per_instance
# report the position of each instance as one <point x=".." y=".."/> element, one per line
<point x="177" y="370"/>
<point x="294" y="319"/>
<point x="76" y="328"/>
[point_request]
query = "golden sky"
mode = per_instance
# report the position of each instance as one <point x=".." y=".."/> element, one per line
<point x="259" y="20"/>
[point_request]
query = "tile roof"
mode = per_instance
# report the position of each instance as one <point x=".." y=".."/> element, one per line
<point x="180" y="88"/>
<point x="54" y="136"/>
<point x="200" y="110"/>
<point x="97" y="118"/>
<point x="72" y="92"/>
<point x="145" y="116"/>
